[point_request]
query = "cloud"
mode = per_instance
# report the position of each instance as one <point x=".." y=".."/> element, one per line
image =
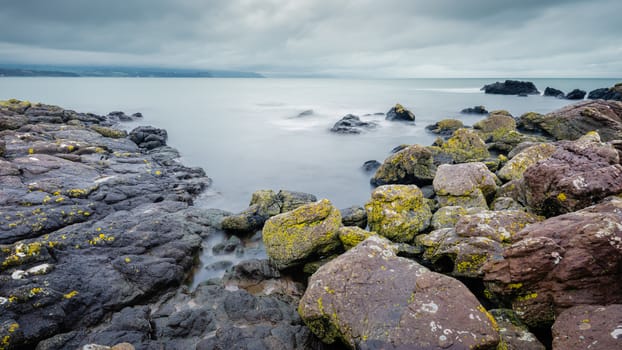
<point x="367" y="38"/>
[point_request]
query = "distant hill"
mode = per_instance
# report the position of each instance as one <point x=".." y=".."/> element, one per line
<point x="52" y="71"/>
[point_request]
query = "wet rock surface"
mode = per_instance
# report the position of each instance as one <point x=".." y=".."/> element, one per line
<point x="511" y="87"/>
<point x="549" y="91"/>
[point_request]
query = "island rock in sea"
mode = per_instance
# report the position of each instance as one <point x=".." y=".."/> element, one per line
<point x="511" y="87"/>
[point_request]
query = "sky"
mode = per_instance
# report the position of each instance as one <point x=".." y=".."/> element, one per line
<point x="337" y="38"/>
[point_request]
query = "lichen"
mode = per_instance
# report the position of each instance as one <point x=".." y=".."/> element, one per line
<point x="71" y="294"/>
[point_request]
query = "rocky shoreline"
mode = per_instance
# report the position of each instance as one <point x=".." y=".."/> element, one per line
<point x="506" y="235"/>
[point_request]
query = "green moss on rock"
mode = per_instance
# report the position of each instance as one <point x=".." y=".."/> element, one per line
<point x="109" y="132"/>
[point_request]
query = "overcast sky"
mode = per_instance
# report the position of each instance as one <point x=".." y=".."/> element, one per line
<point x="356" y="38"/>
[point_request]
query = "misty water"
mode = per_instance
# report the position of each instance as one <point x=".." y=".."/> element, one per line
<point x="247" y="133"/>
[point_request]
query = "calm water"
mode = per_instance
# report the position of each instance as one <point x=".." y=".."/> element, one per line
<point x="246" y="134"/>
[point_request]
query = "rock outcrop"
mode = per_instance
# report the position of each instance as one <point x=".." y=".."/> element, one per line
<point x="576" y="94"/>
<point x="612" y="93"/>
<point x="445" y="127"/>
<point x="369" y="298"/>
<point x="399" y="113"/>
<point x="549" y="91"/>
<point x="475" y="110"/>
<point x="511" y="87"/>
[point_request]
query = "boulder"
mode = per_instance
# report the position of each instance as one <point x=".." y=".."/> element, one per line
<point x="561" y="262"/>
<point x="588" y="327"/>
<point x="531" y="122"/>
<point x="612" y="93"/>
<point x="354" y="216"/>
<point x="515" y="335"/>
<point x="369" y="298"/>
<point x="549" y="91"/>
<point x="467" y="185"/>
<point x="515" y="167"/>
<point x="578" y="174"/>
<point x="576" y="94"/>
<point x="412" y="165"/>
<point x="306" y="232"/>
<point x="148" y="137"/>
<point x="398" y="212"/>
<point x="351" y="124"/>
<point x="475" y="110"/>
<point x="494" y="122"/>
<point x="371" y="165"/>
<point x="511" y="87"/>
<point x="15" y="105"/>
<point x="463" y="146"/>
<point x="445" y="127"/>
<point x="399" y="113"/>
<point x="499" y="132"/>
<point x="572" y="122"/>
<point x="351" y="236"/>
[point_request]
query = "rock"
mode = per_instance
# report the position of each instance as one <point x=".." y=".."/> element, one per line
<point x="308" y="231"/>
<point x="351" y="124"/>
<point x="109" y="132"/>
<point x="351" y="236"/>
<point x="506" y="203"/>
<point x="511" y="87"/>
<point x="561" y="262"/>
<point x="305" y="113"/>
<point x="15" y="105"/>
<point x="500" y="226"/>
<point x="445" y="127"/>
<point x="398" y="212"/>
<point x="400" y="113"/>
<point x="447" y="217"/>
<point x="549" y="91"/>
<point x="371" y="298"/>
<point x="412" y="165"/>
<point x="354" y="216"/>
<point x="576" y="94"/>
<point x="12" y="122"/>
<point x="2" y="148"/>
<point x="371" y="165"/>
<point x="576" y="175"/>
<point x="515" y="167"/>
<point x="399" y="148"/>
<point x="261" y="278"/>
<point x="530" y="122"/>
<point x="467" y="185"/>
<point x="148" y="137"/>
<point x="499" y="132"/>
<point x="588" y="326"/>
<point x="475" y="110"/>
<point x="495" y="122"/>
<point x="230" y="245"/>
<point x="613" y="93"/>
<point x="464" y="146"/>
<point x="514" y="334"/>
<point x="263" y="205"/>
<point x="572" y="122"/>
<point x="524" y="94"/>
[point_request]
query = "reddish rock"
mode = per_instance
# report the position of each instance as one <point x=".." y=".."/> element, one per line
<point x="589" y="327"/>
<point x="571" y="122"/>
<point x="562" y="262"/>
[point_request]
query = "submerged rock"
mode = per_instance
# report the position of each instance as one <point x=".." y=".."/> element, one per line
<point x="398" y="212"/>
<point x="370" y="298"/>
<point x="303" y="233"/>
<point x="351" y="124"/>
<point x="475" y="110"/>
<point x="371" y="165"/>
<point x="511" y="87"/>
<point x="400" y="113"/>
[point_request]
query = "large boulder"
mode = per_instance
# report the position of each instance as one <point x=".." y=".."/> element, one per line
<point x="511" y="87"/>
<point x="369" y="298"/>
<point x="304" y="233"/>
<point x="398" y="212"/>
<point x="412" y="165"/>
<point x="561" y="262"/>
<point x="351" y="124"/>
<point x="578" y="174"/>
<point x="571" y="122"/>
<point x="576" y="94"/>
<point x="499" y="132"/>
<point x="588" y="327"/>
<point x="463" y="146"/>
<point x="467" y="185"/>
<point x="549" y="91"/>
<point x="148" y="137"/>
<point x="515" y="167"/>
<point x="400" y="113"/>
<point x="445" y="127"/>
<point x="612" y="93"/>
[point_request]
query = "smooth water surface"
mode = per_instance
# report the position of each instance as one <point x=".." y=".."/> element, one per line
<point x="247" y="135"/>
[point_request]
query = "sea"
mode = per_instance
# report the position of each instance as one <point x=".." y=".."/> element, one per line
<point x="252" y="134"/>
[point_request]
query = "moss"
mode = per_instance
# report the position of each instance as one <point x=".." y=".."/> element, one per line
<point x="465" y="145"/>
<point x="109" y="132"/>
<point x="471" y="264"/>
<point x="22" y="252"/>
<point x="71" y="294"/>
<point x="351" y="236"/>
<point x="15" y="105"/>
<point x="77" y="193"/>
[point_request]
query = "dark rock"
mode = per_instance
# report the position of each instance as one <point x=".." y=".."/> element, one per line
<point x="412" y="165"/>
<point x="148" y="137"/>
<point x="475" y="110"/>
<point x="523" y="94"/>
<point x="122" y="117"/>
<point x="137" y="115"/>
<point x="561" y="262"/>
<point x="400" y="113"/>
<point x="514" y="334"/>
<point x="228" y="246"/>
<point x="354" y="216"/>
<point x="576" y="94"/>
<point x="549" y="91"/>
<point x="613" y="93"/>
<point x="370" y="297"/>
<point x="351" y="124"/>
<point x="399" y="148"/>
<point x="511" y="87"/>
<point x="572" y="122"/>
<point x="587" y="327"/>
<point x="371" y="165"/>
<point x="306" y="113"/>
